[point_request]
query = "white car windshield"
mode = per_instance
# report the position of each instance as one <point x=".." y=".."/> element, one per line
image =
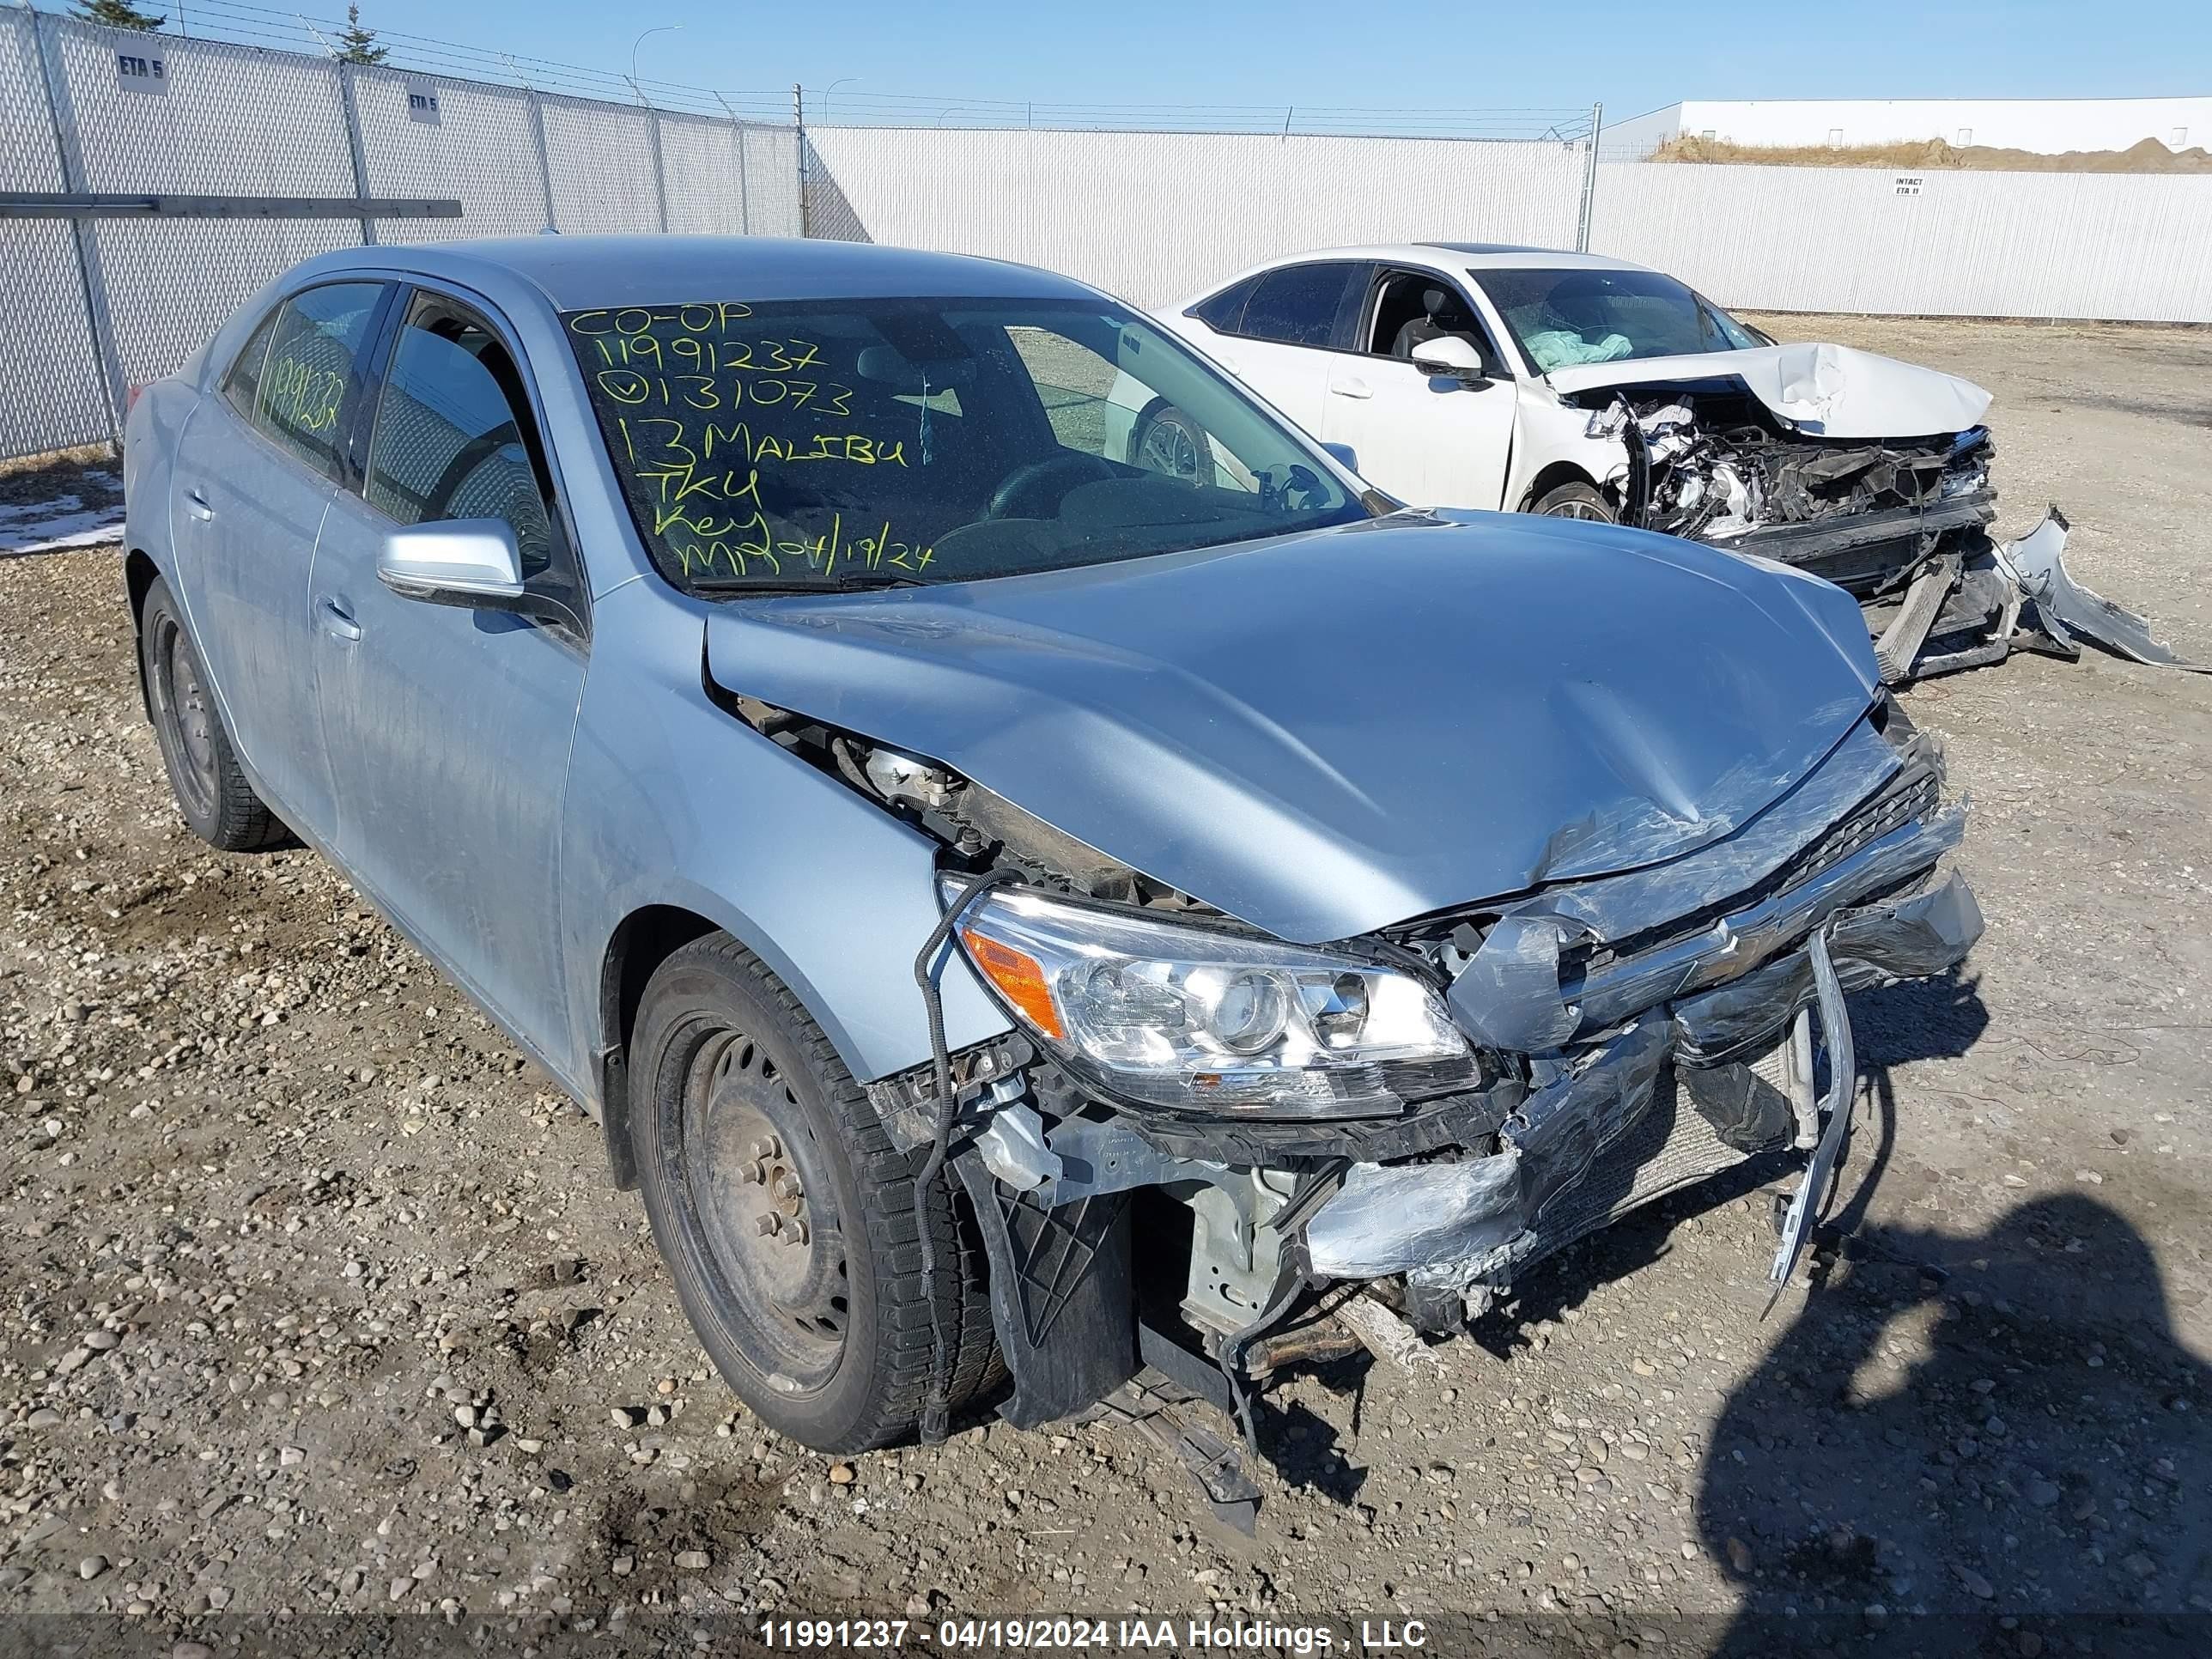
<point x="823" y="445"/>
<point x="1563" y="317"/>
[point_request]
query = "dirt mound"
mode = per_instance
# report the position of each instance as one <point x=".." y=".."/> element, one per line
<point x="1932" y="153"/>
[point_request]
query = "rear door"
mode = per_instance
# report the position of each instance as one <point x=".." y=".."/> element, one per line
<point x="255" y="472"/>
<point x="1294" y="320"/>
<point x="449" y="728"/>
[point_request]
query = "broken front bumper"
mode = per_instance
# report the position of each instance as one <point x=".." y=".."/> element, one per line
<point x="1970" y="601"/>
<point x="1688" y="1089"/>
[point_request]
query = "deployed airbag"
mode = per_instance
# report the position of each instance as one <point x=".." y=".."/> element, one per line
<point x="1555" y="348"/>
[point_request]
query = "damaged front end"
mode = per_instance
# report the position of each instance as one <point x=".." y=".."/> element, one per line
<point x="1204" y="1154"/>
<point x="1900" y="523"/>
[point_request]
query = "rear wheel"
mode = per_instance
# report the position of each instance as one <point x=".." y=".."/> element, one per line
<point x="789" y="1221"/>
<point x="219" y="806"/>
<point x="1574" y="501"/>
<point x="1173" y="445"/>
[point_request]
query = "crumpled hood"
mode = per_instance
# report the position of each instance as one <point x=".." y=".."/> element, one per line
<point x="1828" y="391"/>
<point x="1326" y="733"/>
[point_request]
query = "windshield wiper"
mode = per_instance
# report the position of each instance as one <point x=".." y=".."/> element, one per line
<point x="860" y="583"/>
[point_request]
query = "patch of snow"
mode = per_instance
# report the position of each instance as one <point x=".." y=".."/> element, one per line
<point x="50" y="526"/>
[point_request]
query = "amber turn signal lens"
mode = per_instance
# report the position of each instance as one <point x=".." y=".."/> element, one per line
<point x="1018" y="979"/>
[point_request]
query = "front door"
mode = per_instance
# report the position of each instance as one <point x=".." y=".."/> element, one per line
<point x="1429" y="441"/>
<point x="254" y="475"/>
<point x="449" y="728"/>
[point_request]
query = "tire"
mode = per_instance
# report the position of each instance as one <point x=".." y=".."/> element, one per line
<point x="1574" y="500"/>
<point x="219" y="806"/>
<point x="739" y="1108"/>
<point x="1169" y="442"/>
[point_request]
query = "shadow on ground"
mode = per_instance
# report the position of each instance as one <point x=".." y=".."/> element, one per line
<point x="1989" y="1443"/>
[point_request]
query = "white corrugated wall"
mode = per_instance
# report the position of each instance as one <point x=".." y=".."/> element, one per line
<point x="2131" y="247"/>
<point x="1155" y="216"/>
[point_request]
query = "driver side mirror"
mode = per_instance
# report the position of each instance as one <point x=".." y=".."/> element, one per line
<point x="1448" y="355"/>
<point x="473" y="562"/>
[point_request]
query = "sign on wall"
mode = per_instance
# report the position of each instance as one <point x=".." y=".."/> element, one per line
<point x="141" y="72"/>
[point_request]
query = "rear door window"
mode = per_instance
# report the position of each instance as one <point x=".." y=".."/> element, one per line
<point x="1299" y="305"/>
<point x="242" y="385"/>
<point x="1224" y="312"/>
<point x="300" y="397"/>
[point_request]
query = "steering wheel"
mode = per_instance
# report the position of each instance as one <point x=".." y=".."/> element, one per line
<point x="1034" y="491"/>
<point x="472" y="455"/>
<point x="1300" y="487"/>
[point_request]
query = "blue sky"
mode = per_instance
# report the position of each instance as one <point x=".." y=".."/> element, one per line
<point x="1398" y="54"/>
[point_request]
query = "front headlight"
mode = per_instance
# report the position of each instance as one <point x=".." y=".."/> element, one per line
<point x="1193" y="1018"/>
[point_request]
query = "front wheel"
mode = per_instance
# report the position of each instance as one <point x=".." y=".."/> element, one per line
<point x="789" y="1221"/>
<point x="1574" y="501"/>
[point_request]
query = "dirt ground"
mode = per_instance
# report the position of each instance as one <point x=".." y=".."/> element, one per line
<point x="2148" y="155"/>
<point x="317" y="1301"/>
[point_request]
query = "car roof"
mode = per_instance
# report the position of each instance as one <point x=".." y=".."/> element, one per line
<point x="1493" y="255"/>
<point x="581" y="273"/>
<point x="1464" y="256"/>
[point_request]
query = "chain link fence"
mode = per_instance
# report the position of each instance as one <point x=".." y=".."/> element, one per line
<point x="100" y="303"/>
<point x="53" y="392"/>
<point x="1152" y="202"/>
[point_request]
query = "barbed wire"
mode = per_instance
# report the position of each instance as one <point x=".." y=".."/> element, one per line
<point x="242" y="22"/>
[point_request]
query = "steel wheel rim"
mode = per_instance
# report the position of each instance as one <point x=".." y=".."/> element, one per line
<point x="767" y="1209"/>
<point x="1588" y="511"/>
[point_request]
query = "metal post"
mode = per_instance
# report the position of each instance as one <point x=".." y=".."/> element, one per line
<point x="660" y="173"/>
<point x="744" y="187"/>
<point x="90" y="275"/>
<point x="544" y="166"/>
<point x="798" y="121"/>
<point x="1589" y="180"/>
<point x="744" y="193"/>
<point x="652" y="141"/>
<point x="353" y="144"/>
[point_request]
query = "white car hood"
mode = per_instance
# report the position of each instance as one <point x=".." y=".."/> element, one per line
<point x="1830" y="391"/>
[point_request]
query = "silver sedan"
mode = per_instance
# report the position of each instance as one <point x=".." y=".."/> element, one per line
<point x="1024" y="909"/>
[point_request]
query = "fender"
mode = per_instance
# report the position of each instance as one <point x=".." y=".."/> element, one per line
<point x="751" y="837"/>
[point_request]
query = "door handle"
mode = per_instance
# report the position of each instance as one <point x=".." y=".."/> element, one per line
<point x="196" y="505"/>
<point x="337" y="621"/>
<point x="1354" y="388"/>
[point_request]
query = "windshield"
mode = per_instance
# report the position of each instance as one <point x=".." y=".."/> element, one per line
<point x="1563" y="317"/>
<point x="853" y="443"/>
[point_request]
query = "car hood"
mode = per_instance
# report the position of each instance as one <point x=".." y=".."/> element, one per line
<point x="1829" y="391"/>
<point x="1326" y="733"/>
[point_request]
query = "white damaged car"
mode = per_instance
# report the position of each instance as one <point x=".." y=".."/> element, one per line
<point x="1459" y="374"/>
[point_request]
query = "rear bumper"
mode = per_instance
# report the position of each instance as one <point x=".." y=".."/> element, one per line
<point x="1671" y="1099"/>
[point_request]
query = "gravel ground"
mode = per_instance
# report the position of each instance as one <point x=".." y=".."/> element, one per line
<point x="317" y="1301"/>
